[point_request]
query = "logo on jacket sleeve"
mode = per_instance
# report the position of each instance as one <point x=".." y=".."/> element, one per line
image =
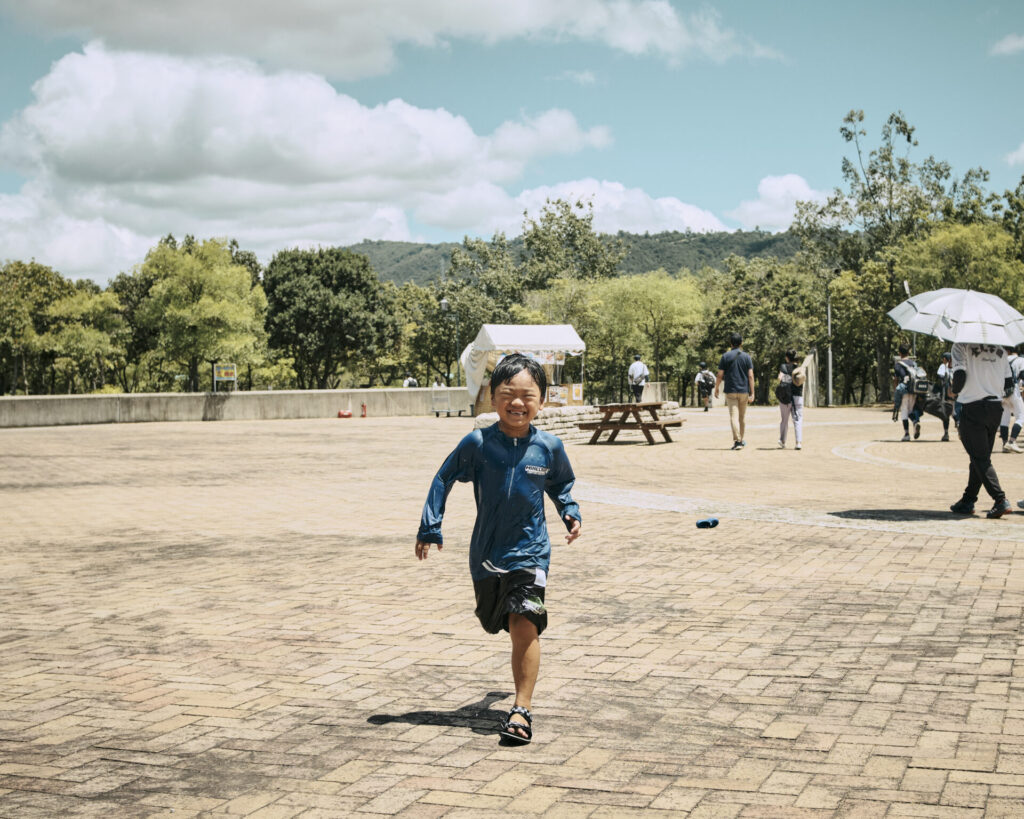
<point x="534" y="469"/>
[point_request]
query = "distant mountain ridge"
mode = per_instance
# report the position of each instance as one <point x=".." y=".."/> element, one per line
<point x="672" y="251"/>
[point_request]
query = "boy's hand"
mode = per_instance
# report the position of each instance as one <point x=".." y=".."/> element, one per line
<point x="574" y="531"/>
<point x="422" y="549"/>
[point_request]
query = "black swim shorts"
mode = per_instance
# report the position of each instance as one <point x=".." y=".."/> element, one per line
<point x="516" y="592"/>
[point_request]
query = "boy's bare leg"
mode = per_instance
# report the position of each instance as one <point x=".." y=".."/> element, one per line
<point x="525" y="661"/>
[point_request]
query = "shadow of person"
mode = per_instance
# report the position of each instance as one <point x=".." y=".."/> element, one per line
<point x="477" y="716"/>
<point x="895" y="514"/>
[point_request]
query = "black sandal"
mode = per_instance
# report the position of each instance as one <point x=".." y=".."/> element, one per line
<point x="507" y="726"/>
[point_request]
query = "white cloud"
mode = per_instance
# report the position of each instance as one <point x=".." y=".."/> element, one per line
<point x="345" y="39"/>
<point x="485" y="209"/>
<point x="1010" y="44"/>
<point x="121" y="148"/>
<point x="776" y="203"/>
<point x="578" y="77"/>
<point x="617" y="207"/>
<point x="1016" y="157"/>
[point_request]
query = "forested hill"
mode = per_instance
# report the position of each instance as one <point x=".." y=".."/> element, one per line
<point x="672" y="251"/>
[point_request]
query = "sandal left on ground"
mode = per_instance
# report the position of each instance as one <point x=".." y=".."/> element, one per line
<point x="515" y="731"/>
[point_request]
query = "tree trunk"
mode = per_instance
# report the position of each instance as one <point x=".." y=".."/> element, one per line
<point x="882" y="374"/>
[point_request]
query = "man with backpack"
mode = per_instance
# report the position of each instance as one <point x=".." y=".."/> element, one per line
<point x="705" y="382"/>
<point x="1013" y="405"/>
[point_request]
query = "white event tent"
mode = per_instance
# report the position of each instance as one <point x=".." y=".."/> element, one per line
<point x="495" y="340"/>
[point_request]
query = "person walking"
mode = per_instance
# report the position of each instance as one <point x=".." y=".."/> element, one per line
<point x="736" y="371"/>
<point x="638" y="375"/>
<point x="1013" y="405"/>
<point x="904" y="372"/>
<point x="945" y="377"/>
<point x="793" y="407"/>
<point x="981" y="379"/>
<point x="705" y="381"/>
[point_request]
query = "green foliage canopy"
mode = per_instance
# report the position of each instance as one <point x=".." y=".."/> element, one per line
<point x="202" y="306"/>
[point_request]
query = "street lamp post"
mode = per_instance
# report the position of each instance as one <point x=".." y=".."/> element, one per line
<point x="913" y="336"/>
<point x="828" y="329"/>
<point x="446" y="308"/>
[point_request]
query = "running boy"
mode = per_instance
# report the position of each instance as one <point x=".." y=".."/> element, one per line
<point x="511" y="464"/>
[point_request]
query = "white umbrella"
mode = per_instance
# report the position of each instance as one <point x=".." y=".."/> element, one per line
<point x="961" y="316"/>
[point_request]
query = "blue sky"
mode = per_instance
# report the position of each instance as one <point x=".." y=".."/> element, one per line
<point x="327" y="123"/>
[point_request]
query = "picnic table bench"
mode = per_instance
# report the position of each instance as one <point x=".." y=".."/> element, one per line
<point x="625" y="411"/>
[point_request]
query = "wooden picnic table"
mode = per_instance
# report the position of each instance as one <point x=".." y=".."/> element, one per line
<point x="624" y="411"/>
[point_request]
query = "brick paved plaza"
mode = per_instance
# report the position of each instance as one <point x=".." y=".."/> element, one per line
<point x="227" y="619"/>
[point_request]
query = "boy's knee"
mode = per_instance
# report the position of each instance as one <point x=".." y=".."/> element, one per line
<point x="522" y="627"/>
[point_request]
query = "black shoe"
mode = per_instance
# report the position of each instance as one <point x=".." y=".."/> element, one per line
<point x="917" y="431"/>
<point x="962" y="507"/>
<point x="945" y="437"/>
<point x="999" y="509"/>
<point x="737" y="445"/>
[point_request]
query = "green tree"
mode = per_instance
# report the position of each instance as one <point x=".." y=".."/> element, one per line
<point x="385" y="361"/>
<point x="655" y="314"/>
<point x="492" y="269"/>
<point x="858" y="299"/>
<point x="889" y="200"/>
<point x="775" y="306"/>
<point x="18" y="338"/>
<point x="201" y="306"/>
<point x="27" y="290"/>
<point x="978" y="256"/>
<point x="326" y="308"/>
<point x="86" y="339"/>
<point x="665" y="310"/>
<point x="140" y="365"/>
<point x="440" y="335"/>
<point x="562" y="243"/>
<point x="248" y="260"/>
<point x="1013" y="216"/>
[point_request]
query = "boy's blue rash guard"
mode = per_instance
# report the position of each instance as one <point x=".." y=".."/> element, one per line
<point x="510" y="477"/>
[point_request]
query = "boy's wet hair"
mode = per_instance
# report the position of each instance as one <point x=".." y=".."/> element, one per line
<point x="511" y="365"/>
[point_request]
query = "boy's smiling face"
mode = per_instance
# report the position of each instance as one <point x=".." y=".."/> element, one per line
<point x="517" y="402"/>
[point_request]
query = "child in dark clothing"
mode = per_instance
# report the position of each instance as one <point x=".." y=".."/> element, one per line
<point x="512" y="465"/>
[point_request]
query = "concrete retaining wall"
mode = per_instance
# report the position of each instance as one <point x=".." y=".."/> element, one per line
<point x="56" y="410"/>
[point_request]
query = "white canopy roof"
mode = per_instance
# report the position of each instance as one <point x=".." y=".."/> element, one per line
<point x="495" y="340"/>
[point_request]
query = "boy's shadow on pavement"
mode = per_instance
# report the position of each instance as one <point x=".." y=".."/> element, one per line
<point x="477" y="716"/>
<point x="899" y="514"/>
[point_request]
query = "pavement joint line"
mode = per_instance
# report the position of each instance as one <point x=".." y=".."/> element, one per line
<point x="614" y="496"/>
<point x="857" y="451"/>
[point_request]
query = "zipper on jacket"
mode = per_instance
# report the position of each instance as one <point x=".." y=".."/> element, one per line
<point x="512" y="469"/>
